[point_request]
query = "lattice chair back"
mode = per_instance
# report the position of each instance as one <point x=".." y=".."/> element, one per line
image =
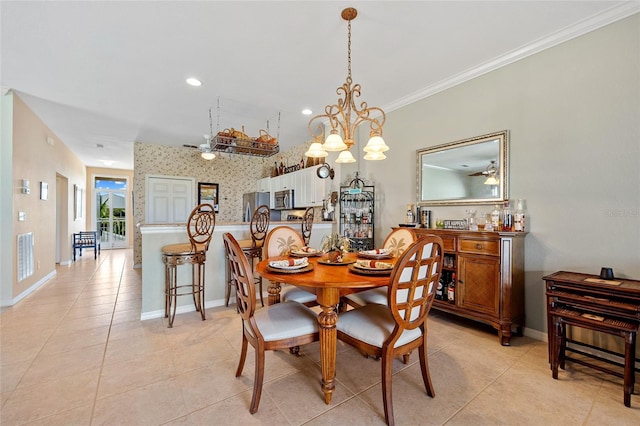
<point x="307" y="224"/>
<point x="239" y="269"/>
<point x="260" y="225"/>
<point x="413" y="284"/>
<point x="200" y="225"/>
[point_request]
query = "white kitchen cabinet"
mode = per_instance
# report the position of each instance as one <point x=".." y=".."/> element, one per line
<point x="264" y="185"/>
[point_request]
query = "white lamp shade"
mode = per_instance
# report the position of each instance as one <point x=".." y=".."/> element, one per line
<point x="376" y="144"/>
<point x="208" y="155"/>
<point x="334" y="142"/>
<point x="345" y="157"/>
<point x="491" y="180"/>
<point x="316" y="151"/>
<point x="374" y="156"/>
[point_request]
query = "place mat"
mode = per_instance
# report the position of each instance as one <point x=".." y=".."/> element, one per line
<point x="343" y="263"/>
<point x="375" y="256"/>
<point x="307" y="268"/>
<point x="601" y="281"/>
<point x="361" y="271"/>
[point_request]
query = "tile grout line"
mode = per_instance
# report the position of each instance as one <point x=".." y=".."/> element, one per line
<point x="106" y="344"/>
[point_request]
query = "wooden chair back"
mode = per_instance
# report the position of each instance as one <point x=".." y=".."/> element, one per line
<point x="281" y="240"/>
<point x="241" y="277"/>
<point x="200" y="226"/>
<point x="414" y="280"/>
<point x="260" y="225"/>
<point x="399" y="240"/>
<point x="307" y="224"/>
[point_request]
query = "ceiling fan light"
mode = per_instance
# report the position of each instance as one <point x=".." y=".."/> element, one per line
<point x="345" y="157"/>
<point x="491" y="180"/>
<point x="334" y="142"/>
<point x="208" y="155"/>
<point x="376" y="144"/>
<point x="315" y="151"/>
<point x="374" y="156"/>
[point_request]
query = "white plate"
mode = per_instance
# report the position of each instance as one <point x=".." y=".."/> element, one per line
<point x="367" y="268"/>
<point x="305" y="254"/>
<point x="289" y="267"/>
<point x="375" y="256"/>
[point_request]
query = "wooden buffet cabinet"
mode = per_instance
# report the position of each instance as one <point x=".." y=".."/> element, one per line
<point x="490" y="277"/>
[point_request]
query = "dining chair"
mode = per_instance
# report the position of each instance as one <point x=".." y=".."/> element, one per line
<point x="275" y="327"/>
<point x="307" y="224"/>
<point x="200" y="225"/>
<point x="396" y="242"/>
<point x="399" y="328"/>
<point x="279" y="242"/>
<point x="252" y="248"/>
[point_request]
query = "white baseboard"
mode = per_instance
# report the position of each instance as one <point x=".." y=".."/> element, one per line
<point x="28" y="291"/>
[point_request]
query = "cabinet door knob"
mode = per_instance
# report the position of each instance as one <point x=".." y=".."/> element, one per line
<point x="479" y="246"/>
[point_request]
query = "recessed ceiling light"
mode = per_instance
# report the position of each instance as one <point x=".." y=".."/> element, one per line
<point x="194" y="82"/>
<point x="107" y="162"/>
<point x="307" y="111"/>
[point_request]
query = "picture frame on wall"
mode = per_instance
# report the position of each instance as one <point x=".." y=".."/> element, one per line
<point x="208" y="194"/>
<point x="44" y="191"/>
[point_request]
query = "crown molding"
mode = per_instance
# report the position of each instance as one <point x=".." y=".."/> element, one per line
<point x="609" y="16"/>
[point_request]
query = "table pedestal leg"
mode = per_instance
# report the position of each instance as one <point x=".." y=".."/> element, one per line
<point x="328" y="348"/>
<point x="274" y="293"/>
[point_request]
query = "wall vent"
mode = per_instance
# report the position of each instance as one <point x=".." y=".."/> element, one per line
<point x="25" y="255"/>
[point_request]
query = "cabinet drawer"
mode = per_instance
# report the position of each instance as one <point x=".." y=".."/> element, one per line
<point x="448" y="243"/>
<point x="477" y="246"/>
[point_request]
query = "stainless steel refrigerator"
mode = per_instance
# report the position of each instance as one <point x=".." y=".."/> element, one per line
<point x="253" y="200"/>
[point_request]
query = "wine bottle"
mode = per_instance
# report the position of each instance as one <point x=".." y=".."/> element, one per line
<point x="519" y="217"/>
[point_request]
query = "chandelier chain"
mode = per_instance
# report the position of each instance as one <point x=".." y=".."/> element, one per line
<point x="349" y="51"/>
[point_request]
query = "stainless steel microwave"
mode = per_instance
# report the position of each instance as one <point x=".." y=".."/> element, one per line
<point x="283" y="200"/>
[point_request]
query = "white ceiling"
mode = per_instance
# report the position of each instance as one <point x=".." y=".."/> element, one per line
<point x="111" y="73"/>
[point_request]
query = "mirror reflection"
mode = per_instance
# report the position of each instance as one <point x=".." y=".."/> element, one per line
<point x="470" y="171"/>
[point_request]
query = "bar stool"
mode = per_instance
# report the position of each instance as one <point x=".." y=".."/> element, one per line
<point x="200" y="225"/>
<point x="307" y="224"/>
<point x="253" y="248"/>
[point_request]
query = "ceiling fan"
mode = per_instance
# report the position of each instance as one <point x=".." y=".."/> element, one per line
<point x="491" y="170"/>
<point x="206" y="149"/>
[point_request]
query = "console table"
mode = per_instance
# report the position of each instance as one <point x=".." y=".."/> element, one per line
<point x="605" y="306"/>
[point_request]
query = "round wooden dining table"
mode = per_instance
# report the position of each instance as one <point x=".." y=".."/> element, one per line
<point x="329" y="283"/>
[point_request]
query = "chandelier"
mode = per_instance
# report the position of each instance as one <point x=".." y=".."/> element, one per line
<point x="345" y="116"/>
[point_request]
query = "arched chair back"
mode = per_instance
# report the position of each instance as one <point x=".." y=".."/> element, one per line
<point x="281" y="240"/>
<point x="200" y="226"/>
<point x="252" y="248"/>
<point x="399" y="240"/>
<point x="399" y="328"/>
<point x="307" y="224"/>
<point x="280" y="326"/>
<point x="260" y="225"/>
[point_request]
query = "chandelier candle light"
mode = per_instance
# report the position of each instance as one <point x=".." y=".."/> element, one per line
<point x="339" y="116"/>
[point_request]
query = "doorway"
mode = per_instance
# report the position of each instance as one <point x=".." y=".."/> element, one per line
<point x="111" y="209"/>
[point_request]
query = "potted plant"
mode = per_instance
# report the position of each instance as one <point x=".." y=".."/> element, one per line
<point x="335" y="245"/>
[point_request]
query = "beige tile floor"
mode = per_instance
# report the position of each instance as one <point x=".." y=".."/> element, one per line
<point x="75" y="353"/>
